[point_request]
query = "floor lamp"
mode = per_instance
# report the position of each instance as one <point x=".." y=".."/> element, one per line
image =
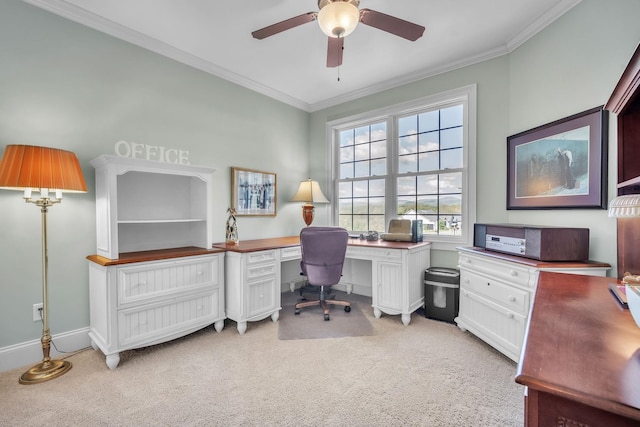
<point x="310" y="193"/>
<point x="49" y="171"/>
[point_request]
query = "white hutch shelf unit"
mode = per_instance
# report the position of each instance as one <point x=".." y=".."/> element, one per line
<point x="155" y="277"/>
<point x="146" y="205"/>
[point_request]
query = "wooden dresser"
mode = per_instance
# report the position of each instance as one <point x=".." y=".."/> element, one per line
<point x="581" y="356"/>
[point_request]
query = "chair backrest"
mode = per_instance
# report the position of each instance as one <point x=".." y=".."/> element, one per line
<point x="323" y="253"/>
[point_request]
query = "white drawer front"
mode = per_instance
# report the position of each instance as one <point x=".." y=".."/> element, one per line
<point x="261" y="257"/>
<point x="507" y="271"/>
<point x="264" y="270"/>
<point x="293" y="252"/>
<point x="499" y="327"/>
<point x="505" y="295"/>
<point x="141" y="325"/>
<point x="360" y="252"/>
<point x="152" y="280"/>
<point x="261" y="297"/>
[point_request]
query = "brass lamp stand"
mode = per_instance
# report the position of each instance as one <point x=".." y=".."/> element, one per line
<point x="50" y="171"/>
<point x="49" y="368"/>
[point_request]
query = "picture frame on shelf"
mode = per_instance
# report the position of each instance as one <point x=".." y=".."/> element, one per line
<point x="560" y="165"/>
<point x="253" y="192"/>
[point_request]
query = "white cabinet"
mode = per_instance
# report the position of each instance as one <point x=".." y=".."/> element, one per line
<point x="496" y="293"/>
<point x="253" y="286"/>
<point x="146" y="205"/>
<point x="144" y="303"/>
<point x="155" y="276"/>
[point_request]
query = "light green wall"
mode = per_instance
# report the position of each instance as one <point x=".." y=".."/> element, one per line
<point x="67" y="86"/>
<point x="571" y="66"/>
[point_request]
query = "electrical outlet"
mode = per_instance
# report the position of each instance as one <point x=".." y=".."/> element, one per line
<point x="37" y="312"/>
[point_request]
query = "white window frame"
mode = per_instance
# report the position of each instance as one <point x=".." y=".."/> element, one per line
<point x="466" y="95"/>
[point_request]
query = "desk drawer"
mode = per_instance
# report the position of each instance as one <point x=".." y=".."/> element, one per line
<point x="508" y="296"/>
<point x="293" y="252"/>
<point x="506" y="271"/>
<point x="163" y="279"/>
<point x="261" y="257"/>
<point x="261" y="270"/>
<point x="359" y="252"/>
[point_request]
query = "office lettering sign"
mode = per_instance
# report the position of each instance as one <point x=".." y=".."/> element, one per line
<point x="158" y="153"/>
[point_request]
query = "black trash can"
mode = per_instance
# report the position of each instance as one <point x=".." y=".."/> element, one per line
<point x="441" y="293"/>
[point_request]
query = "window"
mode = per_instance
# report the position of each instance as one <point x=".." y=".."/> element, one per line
<point x="412" y="161"/>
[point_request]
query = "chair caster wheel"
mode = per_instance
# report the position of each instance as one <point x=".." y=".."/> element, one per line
<point x="297" y="311"/>
<point x="347" y="308"/>
<point x="326" y="317"/>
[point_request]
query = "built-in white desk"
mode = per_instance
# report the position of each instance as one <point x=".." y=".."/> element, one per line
<point x="390" y="272"/>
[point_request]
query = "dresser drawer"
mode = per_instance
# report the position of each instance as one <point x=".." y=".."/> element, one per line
<point x="146" y="281"/>
<point x="145" y="324"/>
<point x="504" y="270"/>
<point x="505" y="295"/>
<point x="261" y="257"/>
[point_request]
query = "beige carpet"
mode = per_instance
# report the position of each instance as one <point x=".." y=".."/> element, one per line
<point x="426" y="374"/>
<point x="310" y="323"/>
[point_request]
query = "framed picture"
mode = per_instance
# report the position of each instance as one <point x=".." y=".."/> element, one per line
<point x="253" y="193"/>
<point x="562" y="164"/>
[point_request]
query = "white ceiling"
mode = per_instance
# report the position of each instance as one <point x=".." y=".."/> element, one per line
<point x="215" y="36"/>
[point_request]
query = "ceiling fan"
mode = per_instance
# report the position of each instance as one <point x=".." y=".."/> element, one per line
<point x="337" y="19"/>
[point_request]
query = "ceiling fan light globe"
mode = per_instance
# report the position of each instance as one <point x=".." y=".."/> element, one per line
<point x="338" y="19"/>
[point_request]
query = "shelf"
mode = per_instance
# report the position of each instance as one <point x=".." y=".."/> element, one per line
<point x="160" y="221"/>
<point x="630" y="182"/>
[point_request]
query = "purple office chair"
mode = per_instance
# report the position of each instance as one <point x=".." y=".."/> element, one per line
<point x="323" y="252"/>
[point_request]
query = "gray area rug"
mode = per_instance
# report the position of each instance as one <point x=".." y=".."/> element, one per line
<point x="310" y="323"/>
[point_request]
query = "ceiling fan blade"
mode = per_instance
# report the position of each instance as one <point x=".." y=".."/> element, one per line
<point x="391" y="24"/>
<point x="287" y="24"/>
<point x="334" y="51"/>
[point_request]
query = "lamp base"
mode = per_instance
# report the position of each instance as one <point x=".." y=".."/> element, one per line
<point x="307" y="213"/>
<point x="45" y="371"/>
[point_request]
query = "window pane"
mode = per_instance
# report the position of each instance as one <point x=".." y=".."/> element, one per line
<point x="428" y="184"/>
<point x="346" y="137"/>
<point x="378" y="167"/>
<point x="429" y="141"/>
<point x="362" y="169"/>
<point x="376" y="188"/>
<point x="379" y="149"/>
<point x="379" y="131"/>
<point x="362" y="152"/>
<point x="376" y="206"/>
<point x="451" y="182"/>
<point x="347" y="154"/>
<point x="430" y="224"/>
<point x="361" y="206"/>
<point x="428" y="204"/>
<point x="360" y="222"/>
<point x="408" y="125"/>
<point x="406" y="204"/>
<point x="451" y="116"/>
<point x="406" y="186"/>
<point x="408" y="163"/>
<point x="451" y="138"/>
<point x="360" y="189"/>
<point x="408" y="145"/>
<point x="376" y="223"/>
<point x="450" y="204"/>
<point x="346" y="221"/>
<point x="344" y="190"/>
<point x="429" y="161"/>
<point x="451" y="159"/>
<point x="345" y="207"/>
<point x="362" y="134"/>
<point x="429" y="121"/>
<point x="346" y="170"/>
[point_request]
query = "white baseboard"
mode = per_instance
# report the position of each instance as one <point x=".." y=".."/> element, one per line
<point x="30" y="352"/>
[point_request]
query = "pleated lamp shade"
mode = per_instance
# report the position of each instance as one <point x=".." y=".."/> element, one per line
<point x="627" y="206"/>
<point x="32" y="167"/>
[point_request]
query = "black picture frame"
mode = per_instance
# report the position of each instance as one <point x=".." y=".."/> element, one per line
<point x="560" y="165"/>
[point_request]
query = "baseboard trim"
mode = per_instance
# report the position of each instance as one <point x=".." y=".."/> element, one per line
<point x="30" y="352"/>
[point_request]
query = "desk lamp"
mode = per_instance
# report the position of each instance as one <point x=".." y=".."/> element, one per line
<point x="48" y="171"/>
<point x="310" y="193"/>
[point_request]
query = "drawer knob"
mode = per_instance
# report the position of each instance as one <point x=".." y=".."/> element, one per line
<point x="510" y="315"/>
<point x="512" y="298"/>
<point x="513" y="273"/>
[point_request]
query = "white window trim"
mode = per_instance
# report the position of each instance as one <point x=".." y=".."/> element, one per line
<point x="468" y="96"/>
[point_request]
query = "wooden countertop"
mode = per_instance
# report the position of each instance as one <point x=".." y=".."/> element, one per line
<point x="156" y="255"/>
<point x="533" y="262"/>
<point x="282" y="242"/>
<point x="581" y="345"/>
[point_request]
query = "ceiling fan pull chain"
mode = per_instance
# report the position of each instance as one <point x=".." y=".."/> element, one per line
<point x="338" y="73"/>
